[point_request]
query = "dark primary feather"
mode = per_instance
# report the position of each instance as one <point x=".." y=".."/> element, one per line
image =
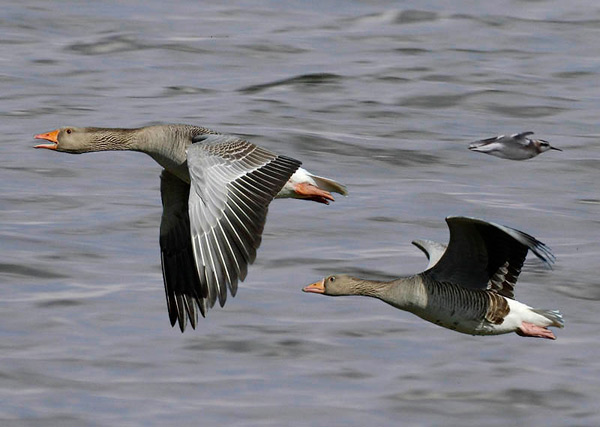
<point x="484" y="255"/>
<point x="488" y="140"/>
<point x="212" y="228"/>
<point x="181" y="282"/>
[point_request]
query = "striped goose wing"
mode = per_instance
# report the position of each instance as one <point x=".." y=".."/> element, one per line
<point x="484" y="255"/>
<point x="232" y="184"/>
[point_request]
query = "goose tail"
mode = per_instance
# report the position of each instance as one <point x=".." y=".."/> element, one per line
<point x="553" y="316"/>
<point x="330" y="185"/>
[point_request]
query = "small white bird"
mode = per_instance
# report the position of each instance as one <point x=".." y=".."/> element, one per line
<point x="467" y="287"/>
<point x="514" y="147"/>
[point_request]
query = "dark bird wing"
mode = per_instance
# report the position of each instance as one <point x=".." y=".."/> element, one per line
<point x="432" y="250"/>
<point x="522" y="137"/>
<point x="483" y="142"/>
<point x="484" y="255"/>
<point x="211" y="234"/>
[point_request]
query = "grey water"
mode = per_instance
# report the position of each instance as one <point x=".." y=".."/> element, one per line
<point x="384" y="96"/>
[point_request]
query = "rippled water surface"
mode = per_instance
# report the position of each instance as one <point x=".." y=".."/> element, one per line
<point x="383" y="96"/>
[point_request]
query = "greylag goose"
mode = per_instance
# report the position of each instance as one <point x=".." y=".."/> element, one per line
<point x="471" y="287"/>
<point x="514" y="147"/>
<point x="215" y="192"/>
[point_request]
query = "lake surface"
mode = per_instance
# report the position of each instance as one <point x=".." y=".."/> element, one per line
<point x="384" y="96"/>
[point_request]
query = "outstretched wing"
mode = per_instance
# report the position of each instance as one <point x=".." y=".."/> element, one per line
<point x="488" y="144"/>
<point x="522" y="137"/>
<point x="232" y="184"/>
<point x="484" y="255"/>
<point x="211" y="228"/>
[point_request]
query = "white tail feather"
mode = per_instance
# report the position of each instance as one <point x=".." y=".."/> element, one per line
<point x="330" y="185"/>
<point x="554" y="316"/>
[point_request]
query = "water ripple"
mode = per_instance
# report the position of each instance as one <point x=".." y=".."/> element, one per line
<point x="301" y="81"/>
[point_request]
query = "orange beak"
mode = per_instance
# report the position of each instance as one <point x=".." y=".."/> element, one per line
<point x="48" y="136"/>
<point x="316" y="288"/>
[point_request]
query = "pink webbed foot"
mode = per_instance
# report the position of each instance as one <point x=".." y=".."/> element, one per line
<point x="311" y="192"/>
<point x="530" y="330"/>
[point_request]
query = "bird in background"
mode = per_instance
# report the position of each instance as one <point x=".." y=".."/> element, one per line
<point x="467" y="287"/>
<point x="513" y="147"/>
<point x="215" y="192"/>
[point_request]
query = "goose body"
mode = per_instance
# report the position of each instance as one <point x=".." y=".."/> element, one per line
<point x="215" y="192"/>
<point x="470" y="289"/>
<point x="514" y="147"/>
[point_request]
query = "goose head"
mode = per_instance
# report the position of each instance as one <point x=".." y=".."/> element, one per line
<point x="337" y="285"/>
<point x="84" y="140"/>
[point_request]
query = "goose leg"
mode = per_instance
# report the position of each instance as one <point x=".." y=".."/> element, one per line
<point x="311" y="192"/>
<point x="530" y="330"/>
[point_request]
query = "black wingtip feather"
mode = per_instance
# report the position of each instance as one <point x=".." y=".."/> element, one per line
<point x="485" y="255"/>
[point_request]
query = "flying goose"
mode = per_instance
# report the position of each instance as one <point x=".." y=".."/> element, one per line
<point x="471" y="287"/>
<point x="215" y="192"/>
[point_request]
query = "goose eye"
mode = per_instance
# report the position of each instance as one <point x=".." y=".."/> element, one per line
<point x="332" y="279"/>
<point x="68" y="131"/>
